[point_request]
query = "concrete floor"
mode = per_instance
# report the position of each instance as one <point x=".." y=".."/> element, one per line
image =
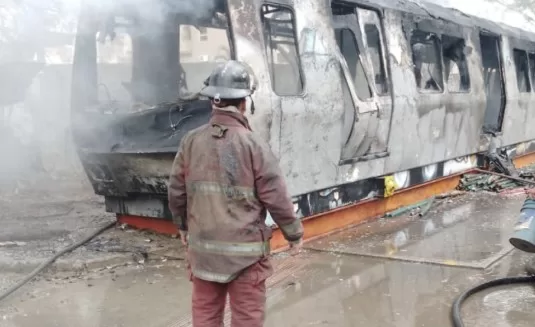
<point x="400" y="272"/>
<point x="32" y="232"/>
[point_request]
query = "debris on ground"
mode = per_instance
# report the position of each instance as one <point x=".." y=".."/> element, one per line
<point x="527" y="173"/>
<point x="449" y="195"/>
<point x="418" y="209"/>
<point x="113" y="244"/>
<point x="476" y="182"/>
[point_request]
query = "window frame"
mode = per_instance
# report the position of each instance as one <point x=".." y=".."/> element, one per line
<point x="530" y="82"/>
<point x="531" y="54"/>
<point x="359" y="61"/>
<point x="379" y="25"/>
<point x="441" y="60"/>
<point x="498" y="45"/>
<point x="270" y="65"/>
<point x="440" y="35"/>
<point x="469" y="90"/>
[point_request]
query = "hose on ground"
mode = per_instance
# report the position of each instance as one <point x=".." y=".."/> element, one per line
<point x="456" y="308"/>
<point x="48" y="262"/>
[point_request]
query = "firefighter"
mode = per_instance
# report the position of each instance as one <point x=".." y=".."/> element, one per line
<point x="223" y="180"/>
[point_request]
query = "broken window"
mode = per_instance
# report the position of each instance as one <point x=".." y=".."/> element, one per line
<point x="522" y="70"/>
<point x="370" y="25"/>
<point x="455" y="64"/>
<point x="532" y="66"/>
<point x="116" y="52"/>
<point x="427" y="61"/>
<point x="348" y="46"/>
<point x="494" y="82"/>
<point x="373" y="39"/>
<point x="281" y="49"/>
<point x="192" y="52"/>
<point x="143" y="61"/>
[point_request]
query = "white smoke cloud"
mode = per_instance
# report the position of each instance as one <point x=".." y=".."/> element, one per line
<point x="38" y="36"/>
<point x="496" y="10"/>
<point x="26" y="18"/>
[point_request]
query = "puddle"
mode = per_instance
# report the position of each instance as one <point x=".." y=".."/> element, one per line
<point x="472" y="232"/>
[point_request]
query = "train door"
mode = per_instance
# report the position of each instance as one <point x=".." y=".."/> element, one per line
<point x="374" y="42"/>
<point x="367" y="101"/>
<point x="494" y="82"/>
<point x="289" y="45"/>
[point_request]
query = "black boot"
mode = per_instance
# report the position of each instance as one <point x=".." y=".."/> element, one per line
<point x="530" y="267"/>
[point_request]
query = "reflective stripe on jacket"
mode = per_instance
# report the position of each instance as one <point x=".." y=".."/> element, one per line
<point x="223" y="180"/>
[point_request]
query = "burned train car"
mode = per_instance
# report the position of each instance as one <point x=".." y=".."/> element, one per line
<point x="347" y="92"/>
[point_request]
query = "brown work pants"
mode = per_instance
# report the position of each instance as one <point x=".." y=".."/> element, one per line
<point x="247" y="300"/>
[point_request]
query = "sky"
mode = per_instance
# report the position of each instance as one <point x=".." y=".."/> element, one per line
<point x="494" y="10"/>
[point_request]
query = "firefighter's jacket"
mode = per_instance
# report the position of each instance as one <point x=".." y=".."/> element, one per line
<point x="223" y="180"/>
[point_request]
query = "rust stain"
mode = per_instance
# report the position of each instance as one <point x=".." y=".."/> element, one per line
<point x="330" y="222"/>
<point x="145" y="223"/>
<point x="349" y="216"/>
<point x="524" y="160"/>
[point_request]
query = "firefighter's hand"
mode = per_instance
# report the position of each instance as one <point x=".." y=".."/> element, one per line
<point x="184" y="237"/>
<point x="295" y="247"/>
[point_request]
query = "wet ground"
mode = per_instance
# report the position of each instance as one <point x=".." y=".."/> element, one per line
<point x="400" y="272"/>
<point x="39" y="228"/>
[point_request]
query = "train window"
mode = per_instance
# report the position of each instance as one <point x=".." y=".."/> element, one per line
<point x="491" y="58"/>
<point x="427" y="61"/>
<point x="198" y="61"/>
<point x="532" y="66"/>
<point x="348" y="46"/>
<point x="522" y="70"/>
<point x="455" y="64"/>
<point x="281" y="49"/>
<point x="373" y="39"/>
<point x="370" y="24"/>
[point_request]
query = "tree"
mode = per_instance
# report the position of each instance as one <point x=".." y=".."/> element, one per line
<point x="23" y="27"/>
<point x="524" y="4"/>
<point x="25" y="32"/>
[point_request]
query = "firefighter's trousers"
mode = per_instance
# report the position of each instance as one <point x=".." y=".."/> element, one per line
<point x="247" y="298"/>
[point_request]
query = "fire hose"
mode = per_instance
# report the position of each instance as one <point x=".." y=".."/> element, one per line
<point x="456" y="308"/>
<point x="48" y="262"/>
<point x="524" y="239"/>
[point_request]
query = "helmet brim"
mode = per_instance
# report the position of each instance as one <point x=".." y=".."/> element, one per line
<point x="225" y="93"/>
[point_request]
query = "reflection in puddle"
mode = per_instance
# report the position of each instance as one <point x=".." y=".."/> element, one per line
<point x="471" y="231"/>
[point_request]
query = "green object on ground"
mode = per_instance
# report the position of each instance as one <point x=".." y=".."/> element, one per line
<point x="424" y="208"/>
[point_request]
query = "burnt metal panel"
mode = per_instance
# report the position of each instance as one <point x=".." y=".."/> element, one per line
<point x="250" y="48"/>
<point x="155" y="130"/>
<point x="140" y="205"/>
<point x="129" y="157"/>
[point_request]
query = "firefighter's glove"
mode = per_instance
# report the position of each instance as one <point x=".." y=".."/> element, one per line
<point x="295" y="247"/>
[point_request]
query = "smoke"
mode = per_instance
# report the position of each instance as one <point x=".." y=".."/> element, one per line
<point x="510" y="12"/>
<point x="36" y="55"/>
<point x="157" y="11"/>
